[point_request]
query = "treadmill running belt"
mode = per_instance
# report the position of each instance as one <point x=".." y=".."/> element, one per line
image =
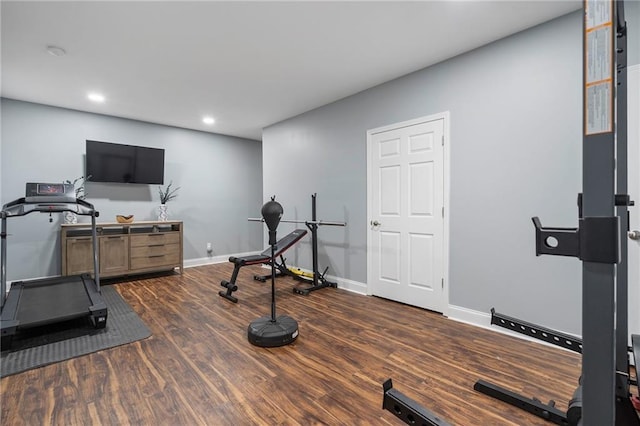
<point x="42" y="300"/>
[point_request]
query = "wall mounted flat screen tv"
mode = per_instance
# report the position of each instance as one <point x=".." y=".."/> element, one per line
<point x="112" y="162"/>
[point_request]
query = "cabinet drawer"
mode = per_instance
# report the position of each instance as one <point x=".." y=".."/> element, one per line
<point x="153" y="239"/>
<point x="155" y="250"/>
<point x="168" y="259"/>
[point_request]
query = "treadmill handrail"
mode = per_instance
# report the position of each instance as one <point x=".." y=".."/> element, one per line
<point x="16" y="208"/>
<point x="22" y="207"/>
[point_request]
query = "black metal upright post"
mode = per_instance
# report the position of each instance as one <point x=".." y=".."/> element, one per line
<point x="625" y="413"/>
<point x="94" y="242"/>
<point x="622" y="201"/>
<point x="3" y="262"/>
<point x="598" y="205"/>
<point x="273" y="282"/>
<point x="314" y="240"/>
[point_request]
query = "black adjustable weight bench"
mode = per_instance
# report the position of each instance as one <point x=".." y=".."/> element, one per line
<point x="265" y="258"/>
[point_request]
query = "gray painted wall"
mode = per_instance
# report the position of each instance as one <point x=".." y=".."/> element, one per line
<point x="515" y="153"/>
<point x="220" y="179"/>
<point x="632" y="16"/>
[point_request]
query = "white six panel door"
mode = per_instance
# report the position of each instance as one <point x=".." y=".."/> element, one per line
<point x="406" y="211"/>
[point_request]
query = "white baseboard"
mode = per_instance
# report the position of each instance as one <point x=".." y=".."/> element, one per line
<point x="210" y="260"/>
<point x="349" y="285"/>
<point x="205" y="261"/>
<point x="469" y="316"/>
<point x="483" y="320"/>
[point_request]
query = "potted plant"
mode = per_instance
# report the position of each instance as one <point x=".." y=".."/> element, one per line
<point x="79" y="190"/>
<point x="167" y="194"/>
<point x="80" y="193"/>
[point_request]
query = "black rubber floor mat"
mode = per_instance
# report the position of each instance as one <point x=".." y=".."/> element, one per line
<point x="58" y="342"/>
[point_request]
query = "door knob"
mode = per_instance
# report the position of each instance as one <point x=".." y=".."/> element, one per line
<point x="634" y="235"/>
<point x="375" y="223"/>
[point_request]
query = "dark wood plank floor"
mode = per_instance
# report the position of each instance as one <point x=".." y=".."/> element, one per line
<point x="199" y="369"/>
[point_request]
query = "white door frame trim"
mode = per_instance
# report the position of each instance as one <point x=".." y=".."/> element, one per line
<point x="445" y="116"/>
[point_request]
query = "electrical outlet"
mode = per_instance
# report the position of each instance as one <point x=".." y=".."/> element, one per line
<point x="209" y="247"/>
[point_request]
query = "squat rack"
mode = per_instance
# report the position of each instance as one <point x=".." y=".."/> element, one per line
<point x="603" y="392"/>
<point x="602" y="396"/>
<point x="317" y="281"/>
<point x="603" y="220"/>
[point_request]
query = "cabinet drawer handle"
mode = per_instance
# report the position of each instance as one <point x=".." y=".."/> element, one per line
<point x="157" y="255"/>
<point x="156" y="235"/>
<point x="155" y="245"/>
<point x="116" y="237"/>
<point x="81" y="239"/>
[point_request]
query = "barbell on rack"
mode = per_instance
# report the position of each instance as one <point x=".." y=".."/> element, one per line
<point x="306" y="222"/>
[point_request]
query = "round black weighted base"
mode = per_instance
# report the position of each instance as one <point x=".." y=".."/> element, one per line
<point x="266" y="333"/>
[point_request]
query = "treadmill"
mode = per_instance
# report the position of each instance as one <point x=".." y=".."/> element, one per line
<point x="49" y="300"/>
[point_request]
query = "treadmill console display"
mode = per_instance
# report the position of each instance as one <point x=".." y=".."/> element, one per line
<point x="50" y="189"/>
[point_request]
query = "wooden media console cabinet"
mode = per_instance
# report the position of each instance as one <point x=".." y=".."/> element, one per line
<point x="124" y="248"/>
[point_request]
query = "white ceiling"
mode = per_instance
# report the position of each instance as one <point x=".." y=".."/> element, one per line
<point x="248" y="64"/>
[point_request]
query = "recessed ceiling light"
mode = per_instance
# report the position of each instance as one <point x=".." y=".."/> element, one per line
<point x="95" y="97"/>
<point x="208" y="120"/>
<point x="56" y="51"/>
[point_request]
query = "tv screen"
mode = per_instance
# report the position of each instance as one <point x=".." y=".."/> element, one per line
<point x="112" y="162"/>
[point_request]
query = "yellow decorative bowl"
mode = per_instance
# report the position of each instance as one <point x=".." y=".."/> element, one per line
<point x="124" y="219"/>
